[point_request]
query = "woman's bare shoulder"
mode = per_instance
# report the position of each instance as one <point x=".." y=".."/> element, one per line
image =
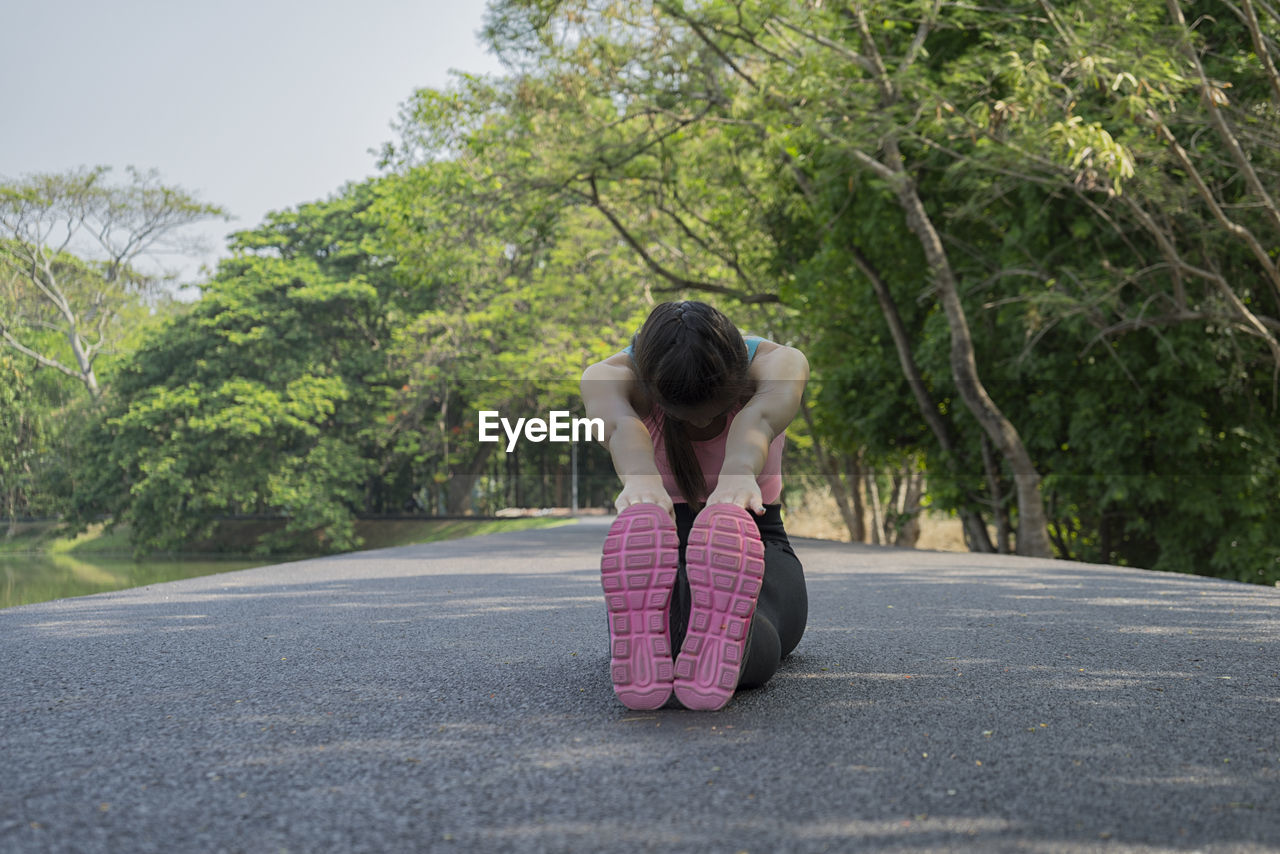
<point x="776" y="361"/>
<point x="614" y="379"/>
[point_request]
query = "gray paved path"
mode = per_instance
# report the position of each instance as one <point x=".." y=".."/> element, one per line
<point x="455" y="697"/>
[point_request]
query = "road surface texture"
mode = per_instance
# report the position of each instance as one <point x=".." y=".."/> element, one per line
<point x="455" y="697"/>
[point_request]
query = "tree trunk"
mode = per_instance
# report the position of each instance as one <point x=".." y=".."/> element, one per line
<point x="1104" y="538"/>
<point x="85" y="363"/>
<point x="12" y="513"/>
<point x="999" y="511"/>
<point x="907" y="533"/>
<point x="513" y="472"/>
<point x="1033" y="530"/>
<point x="826" y="465"/>
<point x="463" y="478"/>
<point x="853" y="475"/>
<point x="897" y="485"/>
<point x="977" y="537"/>
<point x="877" y="514"/>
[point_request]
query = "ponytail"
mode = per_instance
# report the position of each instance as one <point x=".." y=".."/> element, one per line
<point x="690" y="478"/>
<point x="689" y="354"/>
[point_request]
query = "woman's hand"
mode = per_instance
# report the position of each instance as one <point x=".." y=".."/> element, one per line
<point x="780" y="375"/>
<point x="739" y="489"/>
<point x="645" y="489"/>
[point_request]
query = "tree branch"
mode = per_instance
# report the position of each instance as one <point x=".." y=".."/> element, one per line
<point x="902" y="345"/>
<point x="876" y="166"/>
<point x="922" y="33"/>
<point x="844" y="52"/>
<point x="1261" y="49"/>
<point x="1252" y="320"/>
<point x="1234" y="228"/>
<point x="1229" y="138"/>
<point x="43" y="360"/>
<point x="653" y="264"/>
<point x="728" y="259"/>
<point x="705" y="39"/>
<point x="888" y="93"/>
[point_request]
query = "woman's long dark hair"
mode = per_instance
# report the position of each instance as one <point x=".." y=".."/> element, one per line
<point x="688" y="354"/>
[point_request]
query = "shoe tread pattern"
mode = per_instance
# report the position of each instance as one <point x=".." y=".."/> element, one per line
<point x="724" y="560"/>
<point x="638" y="572"/>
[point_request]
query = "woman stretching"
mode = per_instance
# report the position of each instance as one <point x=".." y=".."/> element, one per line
<point x="703" y="597"/>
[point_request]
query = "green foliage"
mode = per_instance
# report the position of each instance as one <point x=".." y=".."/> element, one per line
<point x="16" y="434"/>
<point x="42" y="413"/>
<point x="1076" y="163"/>
<point x="518" y="295"/>
<point x="258" y="400"/>
<point x="336" y="363"/>
<point x="1109" y="304"/>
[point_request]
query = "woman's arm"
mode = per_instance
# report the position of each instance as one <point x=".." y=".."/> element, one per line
<point x="780" y="375"/>
<point x="607" y="388"/>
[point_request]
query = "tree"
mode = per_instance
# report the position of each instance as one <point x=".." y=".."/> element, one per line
<point x="253" y="402"/>
<point x="335" y="363"/>
<point x="1046" y="166"/>
<point x="16" y="433"/>
<point x="519" y="294"/>
<point x="649" y="79"/>
<point x="68" y="243"/>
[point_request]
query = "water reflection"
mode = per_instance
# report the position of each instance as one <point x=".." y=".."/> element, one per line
<point x="38" y="578"/>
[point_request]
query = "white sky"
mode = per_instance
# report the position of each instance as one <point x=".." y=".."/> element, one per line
<point x="255" y="105"/>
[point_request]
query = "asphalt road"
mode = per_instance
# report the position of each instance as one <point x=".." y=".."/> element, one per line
<point x="455" y="697"/>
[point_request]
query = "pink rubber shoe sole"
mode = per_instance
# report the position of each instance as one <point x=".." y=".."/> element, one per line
<point x="637" y="572"/>
<point x="725" y="564"/>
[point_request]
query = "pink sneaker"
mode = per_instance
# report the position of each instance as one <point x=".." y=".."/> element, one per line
<point x="725" y="563"/>
<point x="637" y="572"/>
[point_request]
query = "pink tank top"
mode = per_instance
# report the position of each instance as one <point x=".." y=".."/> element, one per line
<point x="710" y="455"/>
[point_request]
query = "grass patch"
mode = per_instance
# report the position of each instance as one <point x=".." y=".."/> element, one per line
<point x="382" y="534"/>
<point x="238" y="537"/>
<point x="31" y="538"/>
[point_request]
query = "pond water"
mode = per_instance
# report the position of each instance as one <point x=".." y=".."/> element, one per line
<point x="38" y="578"/>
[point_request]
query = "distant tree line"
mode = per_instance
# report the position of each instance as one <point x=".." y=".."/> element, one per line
<point x="1032" y="251"/>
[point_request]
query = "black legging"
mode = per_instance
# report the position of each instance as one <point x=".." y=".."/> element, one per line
<point x="783" y="607"/>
